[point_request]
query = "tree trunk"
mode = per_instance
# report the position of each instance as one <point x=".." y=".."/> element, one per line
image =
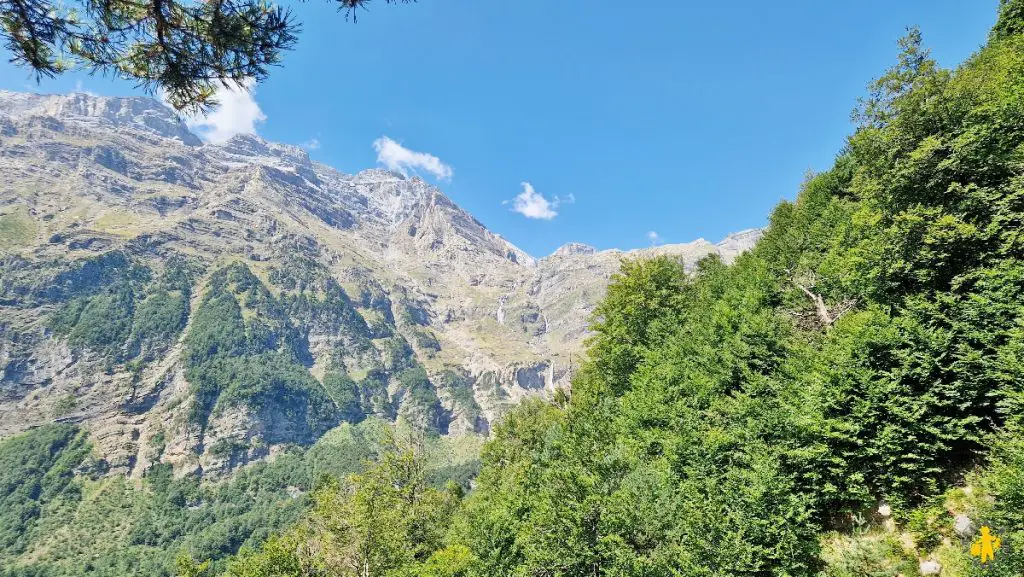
<point x="819" y="305"/>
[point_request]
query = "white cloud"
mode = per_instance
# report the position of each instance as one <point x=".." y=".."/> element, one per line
<point x="311" y="144"/>
<point x="396" y="157"/>
<point x="533" y="204"/>
<point x="654" y="237"/>
<point x="236" y="113"/>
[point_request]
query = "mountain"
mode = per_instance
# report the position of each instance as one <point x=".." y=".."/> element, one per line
<point x="205" y="305"/>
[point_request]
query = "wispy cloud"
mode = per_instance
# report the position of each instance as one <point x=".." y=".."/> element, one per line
<point x="236" y="113"/>
<point x="396" y="157"/>
<point x="311" y="144"/>
<point x="654" y="237"/>
<point x="533" y="204"/>
<point x="81" y="89"/>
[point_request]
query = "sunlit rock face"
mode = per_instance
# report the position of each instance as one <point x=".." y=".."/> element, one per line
<point x="98" y="194"/>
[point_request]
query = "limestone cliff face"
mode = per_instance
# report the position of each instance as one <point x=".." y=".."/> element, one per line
<point x="375" y="277"/>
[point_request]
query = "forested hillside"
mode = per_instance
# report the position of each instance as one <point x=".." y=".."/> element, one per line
<point x="828" y="405"/>
<point x="60" y="515"/>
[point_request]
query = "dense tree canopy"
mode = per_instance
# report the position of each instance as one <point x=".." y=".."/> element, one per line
<point x="746" y="419"/>
<point x="869" y="350"/>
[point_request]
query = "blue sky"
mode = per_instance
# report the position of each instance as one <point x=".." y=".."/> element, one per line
<point x="686" y="119"/>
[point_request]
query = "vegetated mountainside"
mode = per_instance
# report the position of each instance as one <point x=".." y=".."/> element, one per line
<point x="227" y="300"/>
<point x="844" y="400"/>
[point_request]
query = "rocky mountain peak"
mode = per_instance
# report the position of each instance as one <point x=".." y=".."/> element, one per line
<point x="741" y="241"/>
<point x="139" y="113"/>
<point x="574" y="248"/>
<point x="378" y="175"/>
<point x="377" y="277"/>
<point x="252" y="149"/>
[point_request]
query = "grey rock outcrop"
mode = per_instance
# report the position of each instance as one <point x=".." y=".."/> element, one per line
<point x="87" y="177"/>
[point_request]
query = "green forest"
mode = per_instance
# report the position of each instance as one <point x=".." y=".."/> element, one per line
<point x="56" y="500"/>
<point x="829" y="405"/>
<point x="751" y="419"/>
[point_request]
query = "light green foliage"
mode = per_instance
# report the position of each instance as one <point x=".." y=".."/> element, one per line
<point x="624" y="322"/>
<point x="868" y="556"/>
<point x="65" y="405"/>
<point x="452" y="561"/>
<point x="868" y="349"/>
<point x="495" y="519"/>
<point x="17" y="228"/>
<point x="185" y="566"/>
<point x="929" y="524"/>
<point x="54" y="523"/>
<point x="385" y="521"/>
<point x="1002" y="504"/>
<point x="734" y="421"/>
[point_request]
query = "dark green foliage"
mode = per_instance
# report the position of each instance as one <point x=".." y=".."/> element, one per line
<point x="184" y="50"/>
<point x="131" y="530"/>
<point x="397" y="354"/>
<point x="415" y="381"/>
<point x="302" y="273"/>
<point x="159" y="318"/>
<point x="373" y="395"/>
<point x="36" y="470"/>
<point x="1011" y="20"/>
<point x="162" y="314"/>
<point x="864" y="351"/>
<point x="459" y="385"/>
<point x="217" y="329"/>
<point x="424" y="408"/>
<point x="129" y="317"/>
<point x="230" y="361"/>
<point x="177" y="275"/>
<point x="91" y="275"/>
<point x="105" y="322"/>
<point x="332" y="312"/>
<point x="318" y="305"/>
<point x="381" y="320"/>
<point x="426" y="341"/>
<point x="345" y="394"/>
<point x="63" y="319"/>
<point x="34" y="282"/>
<point x="414" y="315"/>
